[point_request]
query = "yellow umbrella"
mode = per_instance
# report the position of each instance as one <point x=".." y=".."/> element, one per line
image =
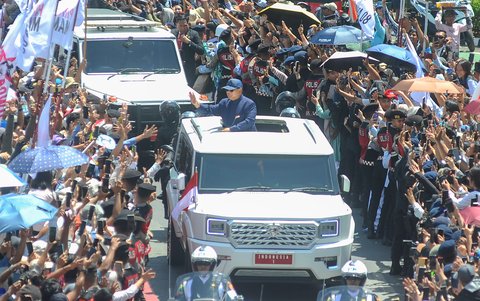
<point x="427" y="84"/>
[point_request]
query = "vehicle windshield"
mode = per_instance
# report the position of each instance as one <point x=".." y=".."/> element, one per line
<point x="131" y="55"/>
<point x="228" y="172"/>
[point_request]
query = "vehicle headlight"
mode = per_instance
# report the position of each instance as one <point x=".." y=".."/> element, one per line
<point x="216" y="226"/>
<point x="328" y="228"/>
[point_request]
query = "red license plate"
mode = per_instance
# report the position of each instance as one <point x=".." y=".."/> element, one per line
<point x="273" y="258"/>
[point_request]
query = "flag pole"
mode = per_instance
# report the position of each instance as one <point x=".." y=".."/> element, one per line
<point x="69" y="52"/>
<point x="425" y="30"/>
<point x="84" y="48"/>
<point x="50" y="52"/>
<point x="400" y="16"/>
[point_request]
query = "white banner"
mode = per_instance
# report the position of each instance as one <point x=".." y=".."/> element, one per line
<point x="366" y="18"/>
<point x="8" y="54"/>
<point x="36" y="40"/>
<point x="64" y="22"/>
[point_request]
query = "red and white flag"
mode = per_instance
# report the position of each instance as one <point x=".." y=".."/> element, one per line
<point x="188" y="197"/>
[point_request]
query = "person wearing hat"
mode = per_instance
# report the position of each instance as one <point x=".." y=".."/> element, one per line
<point x="142" y="206"/>
<point x="248" y="89"/>
<point x="452" y="29"/>
<point x="470" y="286"/>
<point x="237" y="111"/>
<point x="130" y="180"/>
<point x="328" y="14"/>
<point x="223" y="63"/>
<point x="262" y="79"/>
<point x="189" y="44"/>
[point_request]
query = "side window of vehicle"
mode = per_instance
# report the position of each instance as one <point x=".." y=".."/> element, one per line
<point x="183" y="157"/>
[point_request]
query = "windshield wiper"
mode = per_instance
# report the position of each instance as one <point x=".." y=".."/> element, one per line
<point x="310" y="189"/>
<point x="125" y="71"/>
<point x="253" y="188"/>
<point x="162" y="71"/>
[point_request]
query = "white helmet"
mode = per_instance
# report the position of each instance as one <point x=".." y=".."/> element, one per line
<point x="355" y="269"/>
<point x="205" y="255"/>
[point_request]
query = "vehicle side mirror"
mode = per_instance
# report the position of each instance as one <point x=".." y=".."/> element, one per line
<point x="179" y="182"/>
<point x="344" y="183"/>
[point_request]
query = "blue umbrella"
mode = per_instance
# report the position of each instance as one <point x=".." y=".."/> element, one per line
<point x="394" y="56"/>
<point x="47" y="158"/>
<point x="338" y="35"/>
<point x="21" y="211"/>
<point x="9" y="178"/>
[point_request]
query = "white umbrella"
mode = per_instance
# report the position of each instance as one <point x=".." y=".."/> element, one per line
<point x="9" y="178"/>
<point x="106" y="141"/>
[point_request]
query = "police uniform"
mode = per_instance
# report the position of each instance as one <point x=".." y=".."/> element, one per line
<point x="213" y="285"/>
<point x="345" y="295"/>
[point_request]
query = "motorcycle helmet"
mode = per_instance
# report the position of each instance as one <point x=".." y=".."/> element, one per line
<point x="355" y="269"/>
<point x="170" y="112"/>
<point x="204" y="255"/>
<point x="290" y="112"/>
<point x="284" y="100"/>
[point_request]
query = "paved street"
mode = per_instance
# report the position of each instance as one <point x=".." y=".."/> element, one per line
<point x="372" y="252"/>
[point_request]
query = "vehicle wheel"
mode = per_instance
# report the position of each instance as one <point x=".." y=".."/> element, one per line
<point x="175" y="252"/>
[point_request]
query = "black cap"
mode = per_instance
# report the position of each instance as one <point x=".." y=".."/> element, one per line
<point x="211" y="26"/>
<point x="255" y="43"/>
<point x="369" y="109"/>
<point x="315" y="64"/>
<point x="108" y="207"/>
<point x="452" y="106"/>
<point x="146" y="188"/>
<point x="413" y="120"/>
<point x="123" y="216"/>
<point x="199" y="28"/>
<point x="263" y="48"/>
<point x="113" y="113"/>
<point x="131" y="174"/>
<point x="395" y="114"/>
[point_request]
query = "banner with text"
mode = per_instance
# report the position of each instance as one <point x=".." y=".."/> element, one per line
<point x="366" y="19"/>
<point x="65" y="22"/>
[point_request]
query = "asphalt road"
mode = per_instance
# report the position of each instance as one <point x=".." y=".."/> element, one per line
<point x="371" y="252"/>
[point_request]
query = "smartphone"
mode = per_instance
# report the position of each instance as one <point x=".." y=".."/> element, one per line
<point x="422" y="261"/>
<point x="85" y="112"/>
<point x="134" y="149"/>
<point x="426" y="293"/>
<point x="68" y="200"/>
<point x="84" y="191"/>
<point x="74" y="185"/>
<point x="118" y="267"/>
<point x="96" y="132"/>
<point x="52" y="234"/>
<point x="108" y="166"/>
<point x="105" y="183"/>
<point x="432" y="260"/>
<point x="131" y="221"/>
<point x="100" y="226"/>
<point x="91" y="211"/>
<point x="78" y="169"/>
<point x="29" y="247"/>
<point x="95" y="242"/>
<point x="91" y="251"/>
<point x="90" y="170"/>
<point x="76" y="140"/>
<point x="82" y="228"/>
<point x="455" y="154"/>
<point x="421" y="274"/>
<point x="122" y="195"/>
<point x="107" y="241"/>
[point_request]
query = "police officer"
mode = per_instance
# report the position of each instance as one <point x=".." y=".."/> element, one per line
<point x="204" y="283"/>
<point x="354" y="273"/>
<point x="284" y="100"/>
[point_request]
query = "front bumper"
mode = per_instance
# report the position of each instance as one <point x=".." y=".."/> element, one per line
<point x="316" y="263"/>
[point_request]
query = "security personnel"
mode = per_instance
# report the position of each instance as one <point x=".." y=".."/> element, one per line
<point x="248" y="89"/>
<point x="354" y="273"/>
<point x="284" y="100"/>
<point x="204" y="283"/>
<point x="262" y="81"/>
<point x="142" y="207"/>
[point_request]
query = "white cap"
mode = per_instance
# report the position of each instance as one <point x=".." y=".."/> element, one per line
<point x="220" y="28"/>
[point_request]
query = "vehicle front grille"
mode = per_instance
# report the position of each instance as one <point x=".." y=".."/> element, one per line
<point x="269" y="235"/>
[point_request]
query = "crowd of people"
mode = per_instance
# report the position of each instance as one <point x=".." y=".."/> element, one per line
<point x="413" y="163"/>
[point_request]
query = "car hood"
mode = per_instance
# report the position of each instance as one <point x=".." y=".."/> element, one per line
<point x="278" y="205"/>
<point x="134" y="88"/>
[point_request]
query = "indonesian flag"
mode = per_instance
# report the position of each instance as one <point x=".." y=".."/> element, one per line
<point x="187" y="198"/>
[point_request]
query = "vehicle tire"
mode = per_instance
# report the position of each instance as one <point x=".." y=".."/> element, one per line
<point x="175" y="252"/>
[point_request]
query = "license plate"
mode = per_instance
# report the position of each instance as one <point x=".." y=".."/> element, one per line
<point x="273" y="258"/>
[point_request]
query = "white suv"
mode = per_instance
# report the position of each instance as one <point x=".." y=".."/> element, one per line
<point x="268" y="201"/>
<point x="134" y="60"/>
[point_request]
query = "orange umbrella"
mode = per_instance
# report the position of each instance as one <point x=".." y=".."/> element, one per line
<point x="427" y="84"/>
